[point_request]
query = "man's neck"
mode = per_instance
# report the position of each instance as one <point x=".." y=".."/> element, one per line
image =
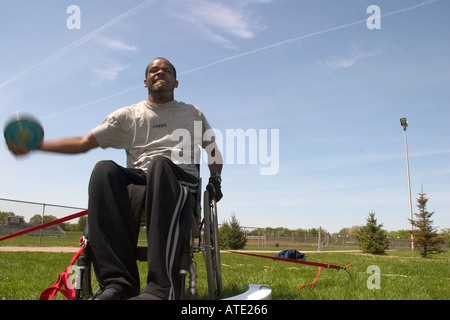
<point x="160" y="98"/>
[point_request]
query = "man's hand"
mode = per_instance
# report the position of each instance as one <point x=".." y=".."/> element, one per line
<point x="214" y="188"/>
<point x="18" y="150"/>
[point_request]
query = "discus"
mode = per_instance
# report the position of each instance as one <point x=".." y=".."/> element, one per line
<point x="24" y="131"/>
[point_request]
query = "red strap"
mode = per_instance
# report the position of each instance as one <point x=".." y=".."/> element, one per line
<point x="63" y="283"/>
<point x="316" y="264"/>
<point x="314" y="281"/>
<point x="309" y="263"/>
<point x="63" y="280"/>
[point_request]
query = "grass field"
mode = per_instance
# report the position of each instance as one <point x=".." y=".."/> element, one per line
<point x="403" y="274"/>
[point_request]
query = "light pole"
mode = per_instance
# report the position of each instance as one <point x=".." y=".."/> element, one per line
<point x="404" y="124"/>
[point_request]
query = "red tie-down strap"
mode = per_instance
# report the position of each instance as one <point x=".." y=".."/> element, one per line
<point x="315" y="264"/>
<point x="318" y="274"/>
<point x="63" y="284"/>
<point x="314" y="281"/>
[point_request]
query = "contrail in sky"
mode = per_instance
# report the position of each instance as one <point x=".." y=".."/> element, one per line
<point x="310" y="35"/>
<point x="236" y="56"/>
<point x="87" y="104"/>
<point x="61" y="52"/>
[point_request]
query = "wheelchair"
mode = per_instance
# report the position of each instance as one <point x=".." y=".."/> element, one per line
<point x="204" y="239"/>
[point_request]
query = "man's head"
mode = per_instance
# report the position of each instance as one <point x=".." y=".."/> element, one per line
<point x="160" y="79"/>
<point x="173" y="68"/>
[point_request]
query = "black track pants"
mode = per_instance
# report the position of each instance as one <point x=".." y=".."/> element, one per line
<point x="116" y="199"/>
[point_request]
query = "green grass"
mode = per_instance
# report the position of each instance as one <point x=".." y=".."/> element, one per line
<point x="404" y="276"/>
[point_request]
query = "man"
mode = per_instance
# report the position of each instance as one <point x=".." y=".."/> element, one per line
<point x="156" y="178"/>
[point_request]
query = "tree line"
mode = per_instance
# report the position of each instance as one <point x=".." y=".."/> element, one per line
<point x="371" y="238"/>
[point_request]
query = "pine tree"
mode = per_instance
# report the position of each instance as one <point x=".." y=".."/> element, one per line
<point x="426" y="238"/>
<point x="371" y="239"/>
<point x="231" y="235"/>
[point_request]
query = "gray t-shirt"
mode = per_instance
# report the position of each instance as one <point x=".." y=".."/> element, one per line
<point x="146" y="129"/>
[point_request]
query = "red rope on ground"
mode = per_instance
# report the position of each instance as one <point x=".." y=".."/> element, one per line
<point x="315" y="264"/>
<point x="314" y="281"/>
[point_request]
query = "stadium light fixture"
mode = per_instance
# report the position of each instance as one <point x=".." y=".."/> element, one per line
<point x="404" y="124"/>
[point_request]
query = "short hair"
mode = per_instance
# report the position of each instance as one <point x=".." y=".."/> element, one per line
<point x="173" y="68"/>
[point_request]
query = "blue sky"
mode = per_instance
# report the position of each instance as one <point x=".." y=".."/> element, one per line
<point x="313" y="70"/>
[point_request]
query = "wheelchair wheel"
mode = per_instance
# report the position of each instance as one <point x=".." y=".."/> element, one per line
<point x="211" y="248"/>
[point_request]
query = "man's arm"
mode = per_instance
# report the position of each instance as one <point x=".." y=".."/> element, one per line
<point x="71" y="145"/>
<point x="215" y="160"/>
<point x="215" y="164"/>
<point x="66" y="145"/>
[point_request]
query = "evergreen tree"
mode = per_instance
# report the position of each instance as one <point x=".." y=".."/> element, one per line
<point x="426" y="238"/>
<point x="231" y="236"/>
<point x="371" y="239"/>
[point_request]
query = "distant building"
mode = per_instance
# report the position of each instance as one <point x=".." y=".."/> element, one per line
<point x="16" y="221"/>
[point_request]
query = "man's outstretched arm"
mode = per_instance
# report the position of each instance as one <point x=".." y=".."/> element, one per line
<point x="70" y="145"/>
<point x="66" y="145"/>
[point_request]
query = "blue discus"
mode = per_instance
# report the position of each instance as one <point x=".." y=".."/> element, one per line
<point x="24" y="132"/>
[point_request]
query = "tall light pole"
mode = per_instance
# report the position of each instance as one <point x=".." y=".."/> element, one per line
<point x="404" y="124"/>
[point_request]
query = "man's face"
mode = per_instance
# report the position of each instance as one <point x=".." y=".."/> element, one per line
<point x="160" y="76"/>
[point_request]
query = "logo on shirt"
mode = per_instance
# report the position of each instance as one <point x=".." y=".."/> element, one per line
<point x="159" y="125"/>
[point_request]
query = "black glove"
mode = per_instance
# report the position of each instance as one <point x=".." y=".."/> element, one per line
<point x="214" y="189"/>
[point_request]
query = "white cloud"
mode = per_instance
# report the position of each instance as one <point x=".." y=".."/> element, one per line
<point x="107" y="74"/>
<point x="216" y="15"/>
<point x="221" y="23"/>
<point x="107" y="67"/>
<point x="118" y="45"/>
<point x="336" y="63"/>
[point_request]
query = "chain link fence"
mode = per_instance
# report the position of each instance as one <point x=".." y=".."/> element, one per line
<point x="267" y="238"/>
<point x="257" y="238"/>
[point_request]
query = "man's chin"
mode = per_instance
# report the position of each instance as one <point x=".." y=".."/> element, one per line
<point x="160" y="88"/>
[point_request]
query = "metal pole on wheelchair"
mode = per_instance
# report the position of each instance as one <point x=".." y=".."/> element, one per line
<point x="82" y="275"/>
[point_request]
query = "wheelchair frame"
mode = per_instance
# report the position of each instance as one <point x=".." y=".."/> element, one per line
<point x="208" y="245"/>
